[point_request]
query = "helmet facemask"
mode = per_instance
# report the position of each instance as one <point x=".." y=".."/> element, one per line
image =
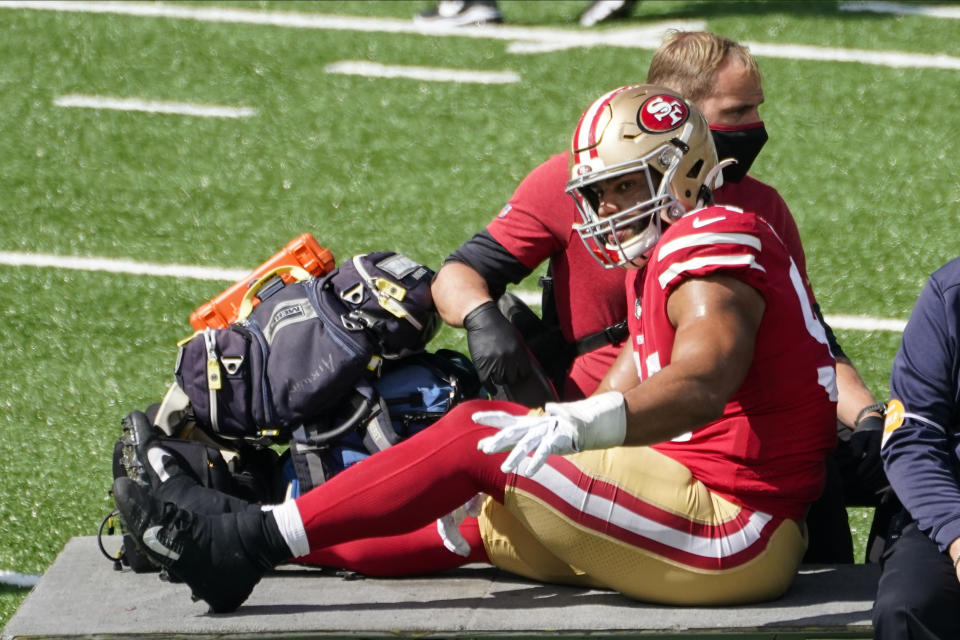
<point x="619" y="239"/>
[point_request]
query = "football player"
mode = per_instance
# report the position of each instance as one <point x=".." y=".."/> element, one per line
<point x="683" y="480"/>
<point x="584" y="307"/>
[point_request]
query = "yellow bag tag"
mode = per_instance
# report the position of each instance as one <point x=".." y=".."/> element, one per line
<point x="389" y="294"/>
<point x="214" y="381"/>
<point x="213" y="374"/>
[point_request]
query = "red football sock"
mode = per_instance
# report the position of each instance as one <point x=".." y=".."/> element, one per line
<point x="414" y="553"/>
<point x="409" y="485"/>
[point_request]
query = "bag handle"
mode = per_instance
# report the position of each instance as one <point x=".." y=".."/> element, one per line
<point x="246" y="304"/>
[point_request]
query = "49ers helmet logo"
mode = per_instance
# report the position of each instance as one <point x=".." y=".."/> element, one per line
<point x="662" y="113"/>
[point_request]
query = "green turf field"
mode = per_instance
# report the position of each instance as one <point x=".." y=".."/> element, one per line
<point x="863" y="153"/>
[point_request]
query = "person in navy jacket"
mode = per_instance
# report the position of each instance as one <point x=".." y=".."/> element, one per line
<point x="919" y="591"/>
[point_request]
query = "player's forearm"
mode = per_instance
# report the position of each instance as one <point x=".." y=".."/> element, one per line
<point x="622" y="375"/>
<point x="716" y="321"/>
<point x="954" y="551"/>
<point x="853" y="393"/>
<point x="669" y="404"/>
<point x="457" y="290"/>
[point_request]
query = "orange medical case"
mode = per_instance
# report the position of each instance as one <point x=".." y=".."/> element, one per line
<point x="303" y="251"/>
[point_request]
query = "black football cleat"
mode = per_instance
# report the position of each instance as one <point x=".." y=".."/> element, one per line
<point x="136" y="433"/>
<point x="173" y="468"/>
<point x="206" y="552"/>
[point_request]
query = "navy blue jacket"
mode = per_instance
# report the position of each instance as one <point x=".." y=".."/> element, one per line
<point x="921" y="447"/>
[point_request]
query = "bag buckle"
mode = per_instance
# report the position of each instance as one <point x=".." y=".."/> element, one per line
<point x="352" y="322"/>
<point x="353" y="295"/>
<point x="232" y="364"/>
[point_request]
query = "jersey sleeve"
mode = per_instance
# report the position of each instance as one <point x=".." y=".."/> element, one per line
<point x="832" y="341"/>
<point x="919" y="449"/>
<point x="715" y="241"/>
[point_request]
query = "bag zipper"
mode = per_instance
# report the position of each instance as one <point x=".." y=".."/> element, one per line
<point x="214" y="379"/>
<point x="259" y="341"/>
<point x="339" y="334"/>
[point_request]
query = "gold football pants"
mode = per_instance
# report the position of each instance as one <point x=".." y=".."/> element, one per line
<point x="635" y="520"/>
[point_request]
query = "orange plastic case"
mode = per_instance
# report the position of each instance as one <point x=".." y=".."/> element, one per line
<point x="303" y="251"/>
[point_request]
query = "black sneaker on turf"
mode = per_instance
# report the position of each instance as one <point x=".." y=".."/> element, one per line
<point x="206" y="552"/>
<point x="458" y="13"/>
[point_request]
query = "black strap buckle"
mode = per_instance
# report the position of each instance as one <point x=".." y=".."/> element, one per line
<point x="613" y="334"/>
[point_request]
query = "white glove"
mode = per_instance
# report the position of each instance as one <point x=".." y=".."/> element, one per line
<point x="597" y="422"/>
<point x="449" y="525"/>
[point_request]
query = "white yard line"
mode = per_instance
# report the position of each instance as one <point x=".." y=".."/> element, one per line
<point x="292" y="19"/>
<point x="864" y="323"/>
<point x="899" y="8"/>
<point x="532" y="298"/>
<point x="896" y="59"/>
<point x="111" y="265"/>
<point x="154" y="106"/>
<point x="429" y="74"/>
<point x="522" y="39"/>
<point x="18" y="579"/>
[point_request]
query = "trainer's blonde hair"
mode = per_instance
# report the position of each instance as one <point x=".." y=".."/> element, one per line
<point x="687" y="62"/>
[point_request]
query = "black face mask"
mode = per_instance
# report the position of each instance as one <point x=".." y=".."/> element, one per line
<point x="743" y="143"/>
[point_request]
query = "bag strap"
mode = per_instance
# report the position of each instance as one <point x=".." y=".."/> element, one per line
<point x="610" y="335"/>
<point x="365" y="404"/>
<point x="246" y="304"/>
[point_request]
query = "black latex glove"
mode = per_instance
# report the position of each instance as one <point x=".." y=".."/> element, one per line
<point x="865" y="448"/>
<point x="496" y="347"/>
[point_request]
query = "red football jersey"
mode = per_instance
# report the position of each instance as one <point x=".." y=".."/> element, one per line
<point x="537" y="225"/>
<point x="767" y="451"/>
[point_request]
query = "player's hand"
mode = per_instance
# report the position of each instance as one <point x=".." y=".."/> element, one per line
<point x="496" y="347"/>
<point x="449" y="525"/>
<point x="865" y="449"/>
<point x="597" y="422"/>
